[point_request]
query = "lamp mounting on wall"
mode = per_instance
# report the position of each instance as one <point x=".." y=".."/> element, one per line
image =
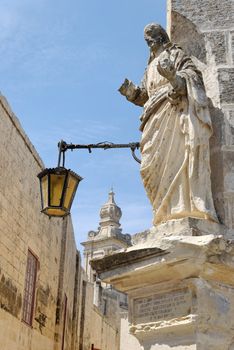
<point x="58" y="185"/>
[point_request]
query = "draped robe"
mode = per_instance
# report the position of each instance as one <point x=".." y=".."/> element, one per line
<point x="175" y="164"/>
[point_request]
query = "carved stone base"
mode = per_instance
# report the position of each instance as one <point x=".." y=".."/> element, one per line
<point x="180" y="288"/>
<point x="181" y="227"/>
<point x="193" y="314"/>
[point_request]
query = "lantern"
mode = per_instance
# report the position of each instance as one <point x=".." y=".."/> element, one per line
<point x="58" y="188"/>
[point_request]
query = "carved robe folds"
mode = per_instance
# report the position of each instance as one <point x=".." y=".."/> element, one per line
<point x="175" y="142"/>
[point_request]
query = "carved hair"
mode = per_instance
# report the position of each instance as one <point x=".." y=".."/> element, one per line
<point x="155" y="31"/>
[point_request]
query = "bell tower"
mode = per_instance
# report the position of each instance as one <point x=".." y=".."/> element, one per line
<point x="108" y="237"/>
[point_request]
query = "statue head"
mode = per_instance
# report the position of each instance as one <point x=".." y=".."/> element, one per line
<point x="155" y="36"/>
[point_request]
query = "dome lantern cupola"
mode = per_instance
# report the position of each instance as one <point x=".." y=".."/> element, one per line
<point x="110" y="213"/>
<point x="109" y="225"/>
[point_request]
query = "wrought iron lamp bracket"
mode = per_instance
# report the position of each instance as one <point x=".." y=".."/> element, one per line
<point x="63" y="147"/>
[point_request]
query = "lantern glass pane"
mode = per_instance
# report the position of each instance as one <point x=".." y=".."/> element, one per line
<point x="55" y="212"/>
<point x="56" y="189"/>
<point x="44" y="190"/>
<point x="71" y="188"/>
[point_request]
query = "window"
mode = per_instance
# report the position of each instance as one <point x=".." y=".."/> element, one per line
<point x="29" y="289"/>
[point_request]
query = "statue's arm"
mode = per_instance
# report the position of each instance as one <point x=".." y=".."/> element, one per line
<point x="133" y="93"/>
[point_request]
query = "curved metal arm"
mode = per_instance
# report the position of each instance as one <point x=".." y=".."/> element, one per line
<point x="134" y="156"/>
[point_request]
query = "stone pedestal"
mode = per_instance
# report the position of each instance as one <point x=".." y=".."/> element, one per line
<point x="180" y="287"/>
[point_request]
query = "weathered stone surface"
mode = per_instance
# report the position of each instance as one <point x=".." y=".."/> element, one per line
<point x="229" y="171"/>
<point x="219" y="46"/>
<point x="229" y="203"/>
<point x="179" y="25"/>
<point x="96" y="328"/>
<point x="57" y="312"/>
<point x="210" y="26"/>
<point x="10" y="298"/>
<point x="23" y="227"/>
<point x="118" y="259"/>
<point x="180" y="296"/>
<point x="175" y="151"/>
<point x="230" y="128"/>
<point x="226" y="81"/>
<point x="207" y="14"/>
<point x="127" y="340"/>
<point x="164" y="306"/>
<point x="187" y="259"/>
<point x="232" y="45"/>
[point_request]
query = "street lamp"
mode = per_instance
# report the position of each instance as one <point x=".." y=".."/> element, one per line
<point x="58" y="185"/>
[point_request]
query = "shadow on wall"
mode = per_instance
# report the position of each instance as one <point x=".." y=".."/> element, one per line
<point x="197" y="45"/>
<point x="185" y="34"/>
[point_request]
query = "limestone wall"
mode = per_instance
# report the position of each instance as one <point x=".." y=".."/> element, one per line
<point x="68" y="303"/>
<point x="63" y="309"/>
<point x="98" y="329"/>
<point x="23" y="227"/>
<point x="127" y="340"/>
<point x="205" y="29"/>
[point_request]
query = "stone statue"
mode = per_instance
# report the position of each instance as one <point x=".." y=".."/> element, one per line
<point x="176" y="128"/>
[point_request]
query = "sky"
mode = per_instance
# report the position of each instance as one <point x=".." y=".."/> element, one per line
<point x="62" y="63"/>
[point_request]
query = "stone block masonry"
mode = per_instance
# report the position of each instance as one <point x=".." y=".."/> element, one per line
<point x="209" y="28"/>
<point x="226" y="83"/>
<point x="206" y="14"/>
<point x="56" y="314"/>
<point x="23" y="227"/>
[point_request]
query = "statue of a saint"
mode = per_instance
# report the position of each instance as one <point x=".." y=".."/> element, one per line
<point x="176" y="128"/>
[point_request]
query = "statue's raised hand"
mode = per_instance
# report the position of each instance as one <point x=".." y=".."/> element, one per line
<point x="166" y="67"/>
<point x="128" y="89"/>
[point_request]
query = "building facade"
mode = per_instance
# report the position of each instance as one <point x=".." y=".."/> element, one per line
<point x="46" y="299"/>
<point x="105" y="241"/>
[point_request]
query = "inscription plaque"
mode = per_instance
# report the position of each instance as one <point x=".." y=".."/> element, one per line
<point x="164" y="306"/>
